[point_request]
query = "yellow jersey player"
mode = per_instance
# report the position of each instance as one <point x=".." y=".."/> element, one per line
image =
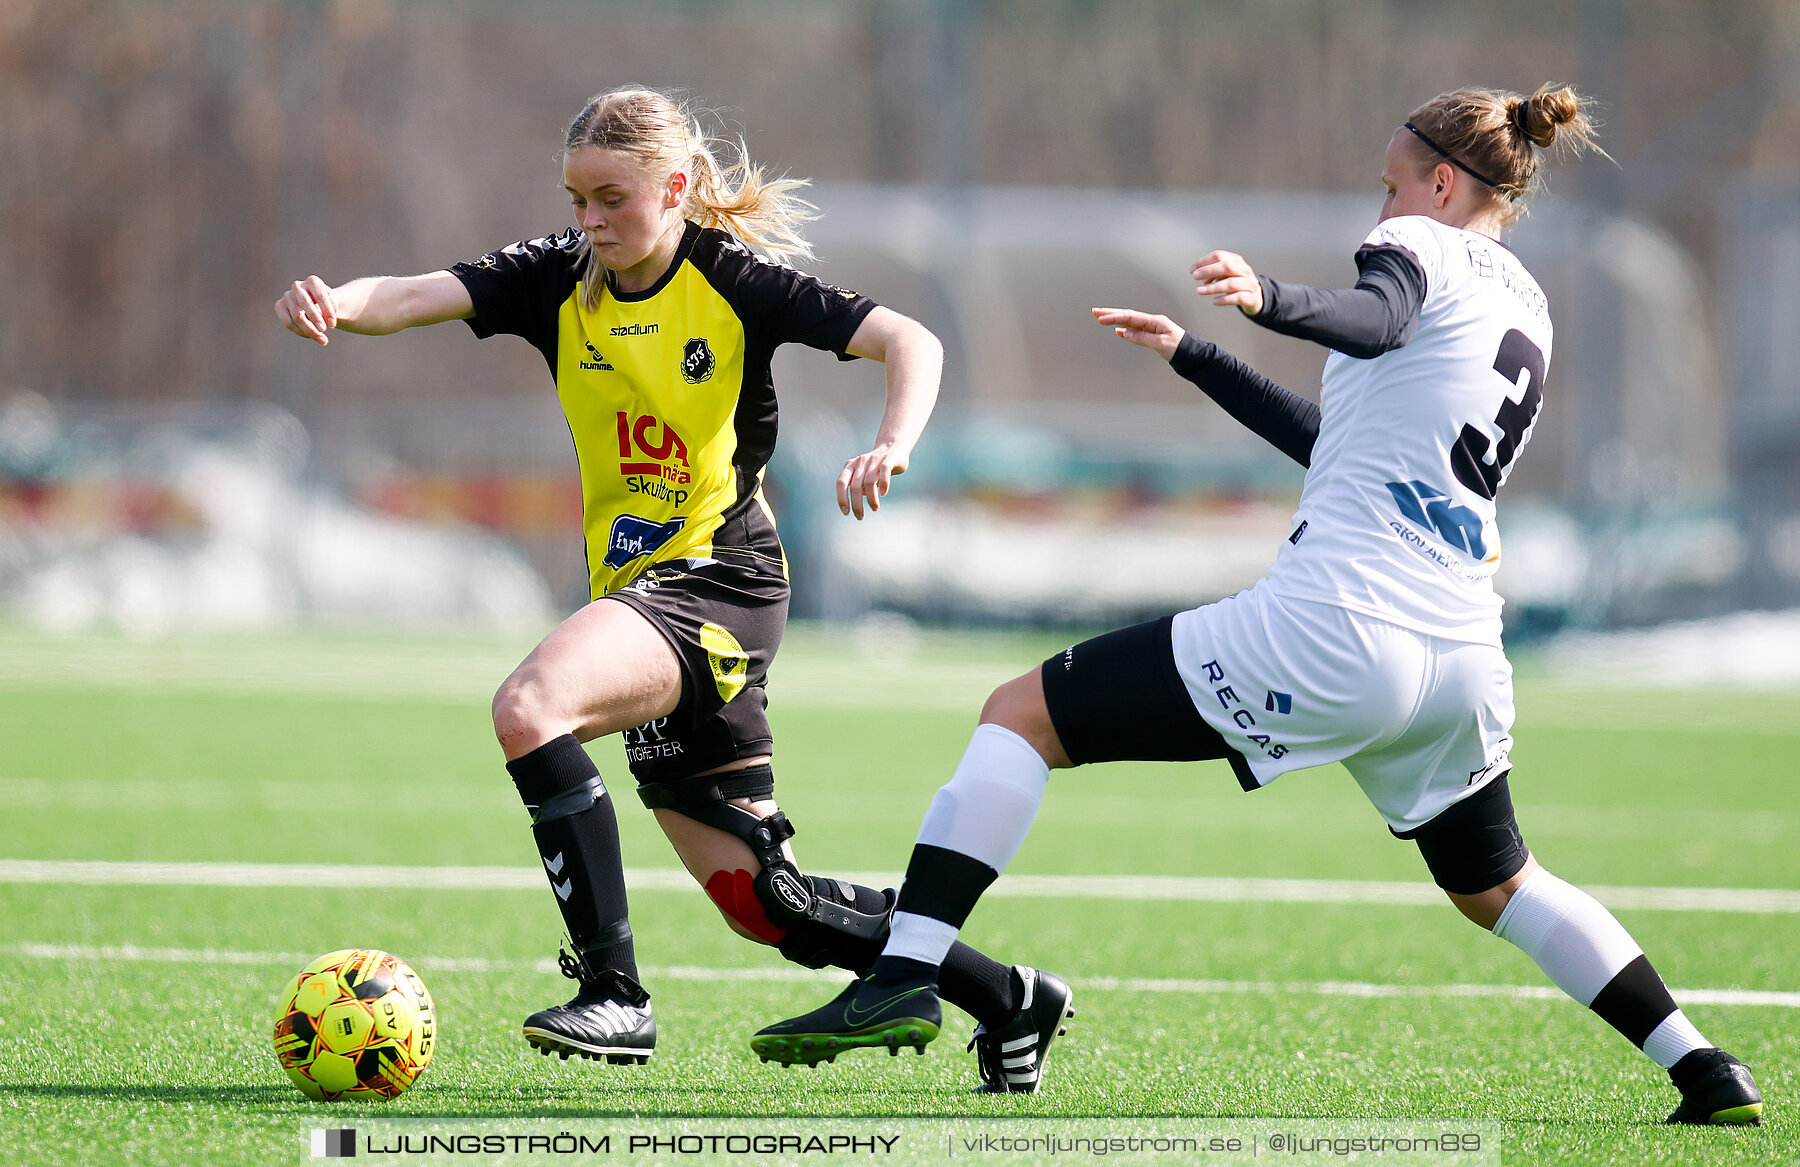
<point x="1375" y="638"/>
<point x="658" y="322"/>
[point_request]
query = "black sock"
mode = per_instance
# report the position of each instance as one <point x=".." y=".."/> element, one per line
<point x="977" y="984"/>
<point x="943" y="885"/>
<point x="578" y="842"/>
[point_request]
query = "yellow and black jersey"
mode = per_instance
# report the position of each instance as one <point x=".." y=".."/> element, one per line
<point x="667" y="390"/>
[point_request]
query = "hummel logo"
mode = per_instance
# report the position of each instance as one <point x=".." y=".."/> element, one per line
<point x="855" y="1016"/>
<point x="563" y="890"/>
<point x="599" y="364"/>
<point x="555" y="865"/>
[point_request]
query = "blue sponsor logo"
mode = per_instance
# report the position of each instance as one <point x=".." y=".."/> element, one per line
<point x="632" y="537"/>
<point x="1279" y="702"/>
<point x="1427" y="506"/>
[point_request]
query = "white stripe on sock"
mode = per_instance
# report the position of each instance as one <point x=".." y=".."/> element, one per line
<point x="919" y="938"/>
<point x="1675" y="1037"/>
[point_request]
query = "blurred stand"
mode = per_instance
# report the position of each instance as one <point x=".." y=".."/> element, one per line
<point x="1068" y="478"/>
<point x="147" y="520"/>
<point x="994" y="167"/>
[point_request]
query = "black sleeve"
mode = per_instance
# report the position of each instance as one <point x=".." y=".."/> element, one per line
<point x="1284" y="419"/>
<point x="779" y="304"/>
<point x="1378" y="314"/>
<point x="519" y="290"/>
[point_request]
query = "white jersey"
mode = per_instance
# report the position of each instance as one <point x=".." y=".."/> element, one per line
<point x="1396" y="519"/>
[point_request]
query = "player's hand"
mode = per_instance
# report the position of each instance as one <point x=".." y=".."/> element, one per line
<point x="1159" y="334"/>
<point x="308" y="309"/>
<point x="1230" y="281"/>
<point x="866" y="479"/>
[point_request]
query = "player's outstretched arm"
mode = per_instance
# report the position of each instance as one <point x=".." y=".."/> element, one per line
<point x="1159" y="334"/>
<point x="373" y="305"/>
<point x="915" y="364"/>
<point x="1229" y="279"/>
<point x="1282" y="418"/>
<point x="1376" y="316"/>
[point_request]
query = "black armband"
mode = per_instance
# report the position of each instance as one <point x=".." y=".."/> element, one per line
<point x="1379" y="314"/>
<point x="1284" y="419"/>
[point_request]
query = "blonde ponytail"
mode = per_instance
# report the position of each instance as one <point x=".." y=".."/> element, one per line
<point x="665" y="136"/>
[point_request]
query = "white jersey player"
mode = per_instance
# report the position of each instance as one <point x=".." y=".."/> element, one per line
<point x="1375" y="638"/>
<point x="1414" y="443"/>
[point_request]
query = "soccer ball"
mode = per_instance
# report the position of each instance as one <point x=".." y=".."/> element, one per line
<point x="355" y="1024"/>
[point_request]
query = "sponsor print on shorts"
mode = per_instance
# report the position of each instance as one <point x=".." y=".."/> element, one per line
<point x="1241" y="714"/>
<point x="650" y="742"/>
<point x="633" y="537"/>
<point x="730" y="663"/>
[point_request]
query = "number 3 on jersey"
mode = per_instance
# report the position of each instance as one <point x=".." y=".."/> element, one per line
<point x="1470" y="456"/>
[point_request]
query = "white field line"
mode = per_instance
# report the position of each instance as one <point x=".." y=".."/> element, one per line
<point x="434" y="964"/>
<point x="1207" y="889"/>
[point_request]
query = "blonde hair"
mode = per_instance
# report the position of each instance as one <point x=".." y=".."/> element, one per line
<point x="665" y="135"/>
<point x="1498" y="135"/>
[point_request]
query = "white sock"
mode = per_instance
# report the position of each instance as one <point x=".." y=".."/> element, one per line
<point x="1581" y="947"/>
<point x="1570" y="935"/>
<point x="919" y="938"/>
<point x="987" y="807"/>
<point x="982" y="814"/>
<point x="1673" y="1040"/>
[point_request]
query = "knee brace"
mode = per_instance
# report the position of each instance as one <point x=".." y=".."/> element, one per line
<point x="823" y="921"/>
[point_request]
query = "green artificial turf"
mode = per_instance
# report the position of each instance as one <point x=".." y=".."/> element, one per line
<point x="134" y="1017"/>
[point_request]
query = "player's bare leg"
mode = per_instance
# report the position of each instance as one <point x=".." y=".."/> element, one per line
<point x="604" y="669"/>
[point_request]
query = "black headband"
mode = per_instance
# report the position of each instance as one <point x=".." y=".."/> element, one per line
<point x="1453" y="159"/>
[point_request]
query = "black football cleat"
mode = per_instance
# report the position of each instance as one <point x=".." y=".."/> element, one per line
<point x="1011" y="1058"/>
<point x="609" y="1018"/>
<point x="867" y="1013"/>
<point x="1716" y="1089"/>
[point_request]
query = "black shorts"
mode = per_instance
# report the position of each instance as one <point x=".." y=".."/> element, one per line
<point x="1119" y="697"/>
<point x="724" y="618"/>
<point x="1473" y="845"/>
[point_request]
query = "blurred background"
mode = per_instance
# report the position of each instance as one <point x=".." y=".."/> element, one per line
<point x="171" y="459"/>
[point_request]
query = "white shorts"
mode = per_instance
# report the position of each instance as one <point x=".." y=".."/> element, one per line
<point x="1420" y="722"/>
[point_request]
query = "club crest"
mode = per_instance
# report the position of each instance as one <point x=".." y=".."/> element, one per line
<point x="697" y="361"/>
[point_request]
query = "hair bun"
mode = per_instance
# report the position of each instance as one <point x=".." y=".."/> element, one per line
<point x="1540" y="115"/>
<point x="1515" y="114"/>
